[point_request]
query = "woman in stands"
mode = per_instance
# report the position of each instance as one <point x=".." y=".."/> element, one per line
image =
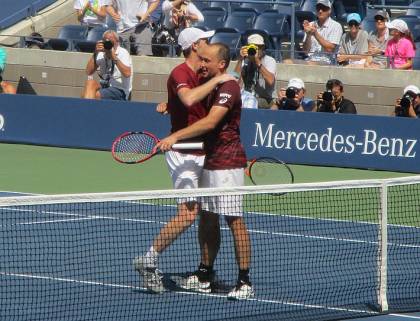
<point x="180" y="14"/>
<point x="400" y="49"/>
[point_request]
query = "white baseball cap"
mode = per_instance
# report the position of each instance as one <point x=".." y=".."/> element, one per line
<point x="256" y="39"/>
<point x="413" y="89"/>
<point x="325" y="3"/>
<point x="296" y="83"/>
<point x="190" y="35"/>
<point x="398" y="24"/>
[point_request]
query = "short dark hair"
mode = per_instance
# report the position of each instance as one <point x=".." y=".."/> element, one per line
<point x="334" y="82"/>
<point x="223" y="52"/>
<point x="187" y="52"/>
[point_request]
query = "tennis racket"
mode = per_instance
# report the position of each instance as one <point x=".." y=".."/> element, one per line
<point x="269" y="171"/>
<point x="138" y="147"/>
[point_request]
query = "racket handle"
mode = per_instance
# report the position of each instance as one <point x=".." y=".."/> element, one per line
<point x="197" y="145"/>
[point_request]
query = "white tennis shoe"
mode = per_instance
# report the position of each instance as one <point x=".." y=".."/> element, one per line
<point x="241" y="291"/>
<point x="151" y="277"/>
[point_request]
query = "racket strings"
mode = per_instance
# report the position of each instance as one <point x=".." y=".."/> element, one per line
<point x="135" y="147"/>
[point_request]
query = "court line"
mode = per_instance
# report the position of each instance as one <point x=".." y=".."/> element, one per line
<point x="318" y="237"/>
<point x="303" y="305"/>
<point x="404" y="316"/>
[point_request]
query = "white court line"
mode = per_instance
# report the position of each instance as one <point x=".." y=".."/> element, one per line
<point x="92" y="217"/>
<point x="303" y="305"/>
<point x="404" y="316"/>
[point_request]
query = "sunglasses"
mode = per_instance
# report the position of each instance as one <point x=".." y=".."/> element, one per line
<point x="353" y="24"/>
<point x="379" y="20"/>
<point x="321" y="8"/>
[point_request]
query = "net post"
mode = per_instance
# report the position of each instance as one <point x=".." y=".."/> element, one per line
<point x="383" y="249"/>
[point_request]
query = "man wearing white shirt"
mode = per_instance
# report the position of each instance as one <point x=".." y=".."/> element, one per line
<point x="258" y="72"/>
<point x="132" y="18"/>
<point x="114" y="67"/>
<point x="91" y="12"/>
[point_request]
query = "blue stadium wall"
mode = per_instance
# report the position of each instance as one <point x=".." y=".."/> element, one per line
<point x="354" y="141"/>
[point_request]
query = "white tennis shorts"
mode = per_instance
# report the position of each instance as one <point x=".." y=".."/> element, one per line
<point x="228" y="205"/>
<point x="185" y="170"/>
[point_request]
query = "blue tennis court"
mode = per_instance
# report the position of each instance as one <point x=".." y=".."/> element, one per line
<point x="66" y="262"/>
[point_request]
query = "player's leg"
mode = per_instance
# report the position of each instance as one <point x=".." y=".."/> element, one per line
<point x="185" y="172"/>
<point x="243" y="288"/>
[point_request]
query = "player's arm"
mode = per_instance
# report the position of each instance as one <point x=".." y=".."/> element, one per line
<point x="199" y="128"/>
<point x="191" y="96"/>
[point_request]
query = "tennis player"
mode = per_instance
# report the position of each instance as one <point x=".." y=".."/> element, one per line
<point x="185" y="93"/>
<point x="224" y="167"/>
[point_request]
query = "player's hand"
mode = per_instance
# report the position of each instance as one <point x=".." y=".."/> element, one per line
<point x="166" y="143"/>
<point x="224" y="78"/>
<point x="162" y="108"/>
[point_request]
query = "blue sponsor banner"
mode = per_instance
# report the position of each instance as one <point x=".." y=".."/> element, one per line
<point x="325" y="139"/>
<point x="374" y="142"/>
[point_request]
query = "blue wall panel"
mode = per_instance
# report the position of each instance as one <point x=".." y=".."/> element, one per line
<point x="300" y="138"/>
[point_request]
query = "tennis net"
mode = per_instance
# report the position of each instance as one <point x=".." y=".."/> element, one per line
<point x="324" y="251"/>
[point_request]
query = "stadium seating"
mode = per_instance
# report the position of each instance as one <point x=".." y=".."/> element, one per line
<point x="66" y="37"/>
<point x="368" y="24"/>
<point x="259" y="7"/>
<point x="214" y="17"/>
<point x="416" y="60"/>
<point x="88" y="45"/>
<point x="219" y="4"/>
<point x="241" y="19"/>
<point x="412" y="11"/>
<point x="232" y="39"/>
<point x="413" y="23"/>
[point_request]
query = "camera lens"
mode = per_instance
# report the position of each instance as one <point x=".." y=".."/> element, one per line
<point x="251" y="51"/>
<point x="291" y="92"/>
<point x="327" y="96"/>
<point x="108" y="44"/>
<point x="406" y="101"/>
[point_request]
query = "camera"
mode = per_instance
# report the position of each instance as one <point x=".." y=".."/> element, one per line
<point x="291" y="92"/>
<point x="406" y="101"/>
<point x="327" y="96"/>
<point x="251" y="49"/>
<point x="108" y="44"/>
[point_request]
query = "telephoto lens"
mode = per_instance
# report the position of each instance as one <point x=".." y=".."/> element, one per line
<point x="108" y="44"/>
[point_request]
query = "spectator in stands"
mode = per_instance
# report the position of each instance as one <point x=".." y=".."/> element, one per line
<point x="353" y="44"/>
<point x="409" y="104"/>
<point x="133" y="24"/>
<point x="5" y="87"/>
<point x="257" y="70"/>
<point x="378" y="41"/>
<point x="91" y="12"/>
<point x="180" y="14"/>
<point x="322" y="37"/>
<point x="333" y="101"/>
<point x="114" y="70"/>
<point x="400" y="49"/>
<point x="293" y="98"/>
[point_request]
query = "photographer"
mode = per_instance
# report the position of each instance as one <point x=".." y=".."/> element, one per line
<point x="257" y="70"/>
<point x="114" y="67"/>
<point x="333" y="101"/>
<point x="292" y="98"/>
<point x="409" y="104"/>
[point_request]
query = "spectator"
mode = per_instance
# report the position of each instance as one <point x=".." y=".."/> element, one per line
<point x="409" y="104"/>
<point x="133" y="25"/>
<point x="400" y="49"/>
<point x="333" y="101"/>
<point x="354" y="43"/>
<point x="378" y="41"/>
<point x="293" y="98"/>
<point x="5" y="87"/>
<point x="91" y="12"/>
<point x="257" y="70"/>
<point x="114" y="70"/>
<point x="180" y="14"/>
<point x="322" y="37"/>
